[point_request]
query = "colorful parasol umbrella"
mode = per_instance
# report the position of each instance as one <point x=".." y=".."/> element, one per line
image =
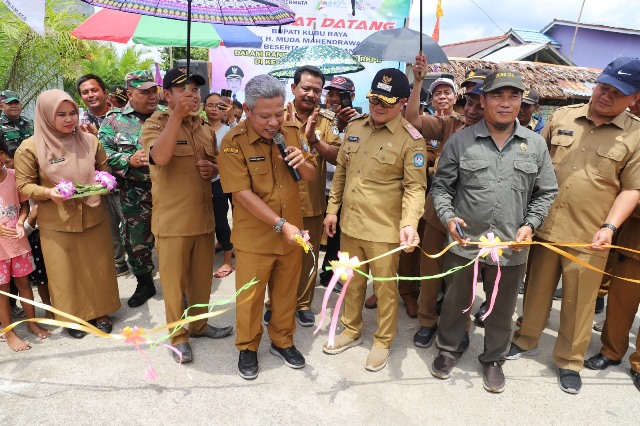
<point x="398" y="44"/>
<point x="331" y="60"/>
<point x="122" y="27"/>
<point x="229" y="12"/>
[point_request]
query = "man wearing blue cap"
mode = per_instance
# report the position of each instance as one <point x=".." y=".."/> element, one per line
<point x="595" y="148"/>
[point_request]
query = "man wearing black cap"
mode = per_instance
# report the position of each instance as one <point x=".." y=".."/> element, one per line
<point x="118" y="97"/>
<point x="473" y="77"/>
<point x="181" y="154"/>
<point x="527" y="115"/>
<point x="494" y="178"/>
<point x="380" y="182"/>
<point x="234" y="76"/>
<point x="595" y="149"/>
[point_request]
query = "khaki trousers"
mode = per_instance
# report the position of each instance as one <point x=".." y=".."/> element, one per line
<point x="579" y="291"/>
<point x="307" y="284"/>
<point x="409" y="266"/>
<point x="433" y="240"/>
<point x="386" y="291"/>
<point x="624" y="299"/>
<point x="457" y="297"/>
<point x="282" y="273"/>
<point x="186" y="266"/>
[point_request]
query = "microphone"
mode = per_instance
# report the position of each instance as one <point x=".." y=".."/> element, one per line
<point x="278" y="139"/>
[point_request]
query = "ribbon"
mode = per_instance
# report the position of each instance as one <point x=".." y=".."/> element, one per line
<point x="342" y="269"/>
<point x="493" y="246"/>
<point x="303" y="241"/>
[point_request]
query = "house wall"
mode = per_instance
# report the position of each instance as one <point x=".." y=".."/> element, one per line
<point x="595" y="48"/>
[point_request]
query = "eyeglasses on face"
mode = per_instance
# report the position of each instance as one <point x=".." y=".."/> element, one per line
<point x="377" y="101"/>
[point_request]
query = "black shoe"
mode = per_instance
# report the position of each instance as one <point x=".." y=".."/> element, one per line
<point x="569" y="381"/>
<point x="441" y="366"/>
<point x="214" y="332"/>
<point x="635" y="376"/>
<point x="557" y="295"/>
<point x="104" y="326"/>
<point x="76" y="334"/>
<point x="325" y="277"/>
<point x="478" y="315"/>
<point x="291" y="356"/>
<point x="493" y="378"/>
<point x="266" y="317"/>
<point x="144" y="291"/>
<point x="248" y="364"/>
<point x="122" y="270"/>
<point x="185" y="350"/>
<point x="599" y="305"/>
<point x="306" y="318"/>
<point x="424" y="337"/>
<point x="521" y="288"/>
<point x="599" y="362"/>
<point x="337" y="288"/>
<point x="516" y="352"/>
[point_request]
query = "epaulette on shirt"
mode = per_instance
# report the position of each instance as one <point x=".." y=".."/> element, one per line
<point x="328" y="114"/>
<point x="413" y="132"/>
<point x="113" y="111"/>
<point x="631" y="116"/>
<point x="358" y="117"/>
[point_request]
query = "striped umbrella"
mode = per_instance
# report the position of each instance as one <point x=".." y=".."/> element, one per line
<point x="122" y="27"/>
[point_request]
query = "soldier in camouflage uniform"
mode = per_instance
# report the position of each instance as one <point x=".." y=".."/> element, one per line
<point x="14" y="128"/>
<point x="119" y="135"/>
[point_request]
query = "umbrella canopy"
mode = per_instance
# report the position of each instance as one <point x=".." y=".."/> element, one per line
<point x="331" y="61"/>
<point x="245" y="13"/>
<point x="121" y="27"/>
<point x="400" y="44"/>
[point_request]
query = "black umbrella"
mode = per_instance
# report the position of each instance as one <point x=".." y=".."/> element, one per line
<point x="399" y="44"/>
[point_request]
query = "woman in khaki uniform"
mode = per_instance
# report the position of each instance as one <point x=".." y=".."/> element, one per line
<point x="75" y="234"/>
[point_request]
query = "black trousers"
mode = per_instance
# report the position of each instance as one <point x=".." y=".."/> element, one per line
<point x="220" y="210"/>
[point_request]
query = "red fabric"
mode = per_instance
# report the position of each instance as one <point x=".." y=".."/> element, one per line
<point x="108" y="25"/>
<point x="436" y="31"/>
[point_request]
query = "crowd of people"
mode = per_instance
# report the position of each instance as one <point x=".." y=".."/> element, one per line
<point x="400" y="175"/>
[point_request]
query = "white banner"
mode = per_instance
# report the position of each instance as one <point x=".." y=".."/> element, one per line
<point x="30" y="11"/>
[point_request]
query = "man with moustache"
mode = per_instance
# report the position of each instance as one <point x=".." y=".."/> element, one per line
<point x="595" y="149"/>
<point x="527" y="115"/>
<point x="493" y="177"/>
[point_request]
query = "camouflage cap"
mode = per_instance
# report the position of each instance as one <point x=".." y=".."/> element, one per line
<point x="140" y="79"/>
<point x="9" y="96"/>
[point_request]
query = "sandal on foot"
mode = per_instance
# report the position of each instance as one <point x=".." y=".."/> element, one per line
<point x="223" y="274"/>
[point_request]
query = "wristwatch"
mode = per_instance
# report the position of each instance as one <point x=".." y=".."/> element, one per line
<point x="530" y="225"/>
<point x="610" y="226"/>
<point x="279" y="224"/>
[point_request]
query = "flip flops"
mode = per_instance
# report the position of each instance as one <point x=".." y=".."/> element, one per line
<point x="223" y="274"/>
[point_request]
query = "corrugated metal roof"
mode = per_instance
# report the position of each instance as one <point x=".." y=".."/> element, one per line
<point x="514" y="53"/>
<point x="469" y="48"/>
<point x="576" y="88"/>
<point x="533" y="36"/>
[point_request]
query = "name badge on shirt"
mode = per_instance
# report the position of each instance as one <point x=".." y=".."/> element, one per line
<point x="565" y="132"/>
<point x="182" y="142"/>
<point x="254" y="159"/>
<point x="353" y="139"/>
<point x="56" y="160"/>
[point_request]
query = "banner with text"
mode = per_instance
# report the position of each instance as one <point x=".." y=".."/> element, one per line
<point x="329" y="22"/>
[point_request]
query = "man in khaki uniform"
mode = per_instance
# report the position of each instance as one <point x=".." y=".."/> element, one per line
<point x="624" y="300"/>
<point x="266" y="220"/>
<point x="595" y="149"/>
<point x="181" y="155"/>
<point x="380" y="182"/>
<point x="322" y="142"/>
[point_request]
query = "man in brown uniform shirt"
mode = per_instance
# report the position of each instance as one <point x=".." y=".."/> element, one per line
<point x="624" y="300"/>
<point x="266" y="220"/>
<point x="322" y="142"/>
<point x="181" y="158"/>
<point x="380" y="182"/>
<point x="595" y="150"/>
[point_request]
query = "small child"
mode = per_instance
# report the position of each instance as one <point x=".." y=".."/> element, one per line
<point x="15" y="254"/>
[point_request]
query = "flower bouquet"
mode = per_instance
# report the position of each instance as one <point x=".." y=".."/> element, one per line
<point x="104" y="183"/>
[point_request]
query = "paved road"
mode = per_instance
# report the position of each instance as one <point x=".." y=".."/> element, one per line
<point x="99" y="381"/>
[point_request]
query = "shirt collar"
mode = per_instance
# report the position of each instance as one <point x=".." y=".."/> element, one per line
<point x="617" y="121"/>
<point x="482" y="131"/>
<point x="251" y="133"/>
<point x="392" y="124"/>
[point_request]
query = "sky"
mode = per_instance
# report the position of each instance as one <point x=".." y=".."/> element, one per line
<point x="463" y="20"/>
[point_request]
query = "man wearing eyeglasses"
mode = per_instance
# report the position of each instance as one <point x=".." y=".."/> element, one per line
<point x="380" y="183"/>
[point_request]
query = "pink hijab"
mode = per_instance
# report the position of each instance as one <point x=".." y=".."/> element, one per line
<point x="71" y="156"/>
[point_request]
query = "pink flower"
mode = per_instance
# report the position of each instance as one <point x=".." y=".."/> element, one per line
<point x="66" y="189"/>
<point x="106" y="179"/>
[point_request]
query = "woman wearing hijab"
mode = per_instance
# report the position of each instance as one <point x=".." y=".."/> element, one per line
<point x="75" y="234"/>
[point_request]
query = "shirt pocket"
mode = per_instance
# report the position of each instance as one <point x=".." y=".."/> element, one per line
<point x="350" y="150"/>
<point x="524" y="175"/>
<point x="474" y="173"/>
<point x="260" y="183"/>
<point x="560" y="148"/>
<point x="184" y="159"/>
<point x="381" y="166"/>
<point x="606" y="160"/>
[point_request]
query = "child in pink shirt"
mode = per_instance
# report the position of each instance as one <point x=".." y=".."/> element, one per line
<point x="15" y="254"/>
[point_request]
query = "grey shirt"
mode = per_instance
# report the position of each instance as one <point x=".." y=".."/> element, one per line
<point x="494" y="190"/>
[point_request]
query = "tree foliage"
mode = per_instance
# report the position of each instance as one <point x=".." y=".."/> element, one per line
<point x="197" y="53"/>
<point x="112" y="67"/>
